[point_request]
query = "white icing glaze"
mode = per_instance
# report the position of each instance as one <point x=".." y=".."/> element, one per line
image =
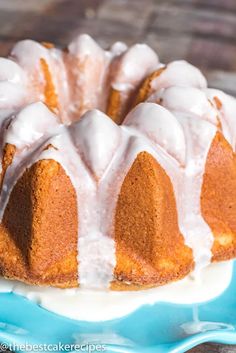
<point x="199" y="135"/>
<point x="84" y="46"/>
<point x="96" y="245"/>
<point x="95" y="129"/>
<point x="29" y="140"/>
<point x="11" y="71"/>
<point x="95" y="237"/>
<point x="135" y="64"/>
<point x="58" y="70"/>
<point x="154" y="121"/>
<point x="96" y="154"/>
<point x="88" y="74"/>
<point x="191" y="100"/>
<point x="92" y="56"/>
<point x="30" y="125"/>
<point x="28" y="54"/>
<point x="12" y="81"/>
<point x="11" y="95"/>
<point x="191" y="106"/>
<point x="118" y="48"/>
<point x="179" y="73"/>
<point x="96" y="248"/>
<point x="92" y="305"/>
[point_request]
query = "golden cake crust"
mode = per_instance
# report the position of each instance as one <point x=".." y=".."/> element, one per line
<point x="38" y="240"/>
<point x="218" y="201"/>
<point x="150" y="250"/>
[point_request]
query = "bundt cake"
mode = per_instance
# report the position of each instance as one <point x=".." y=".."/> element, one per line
<point x="116" y="171"/>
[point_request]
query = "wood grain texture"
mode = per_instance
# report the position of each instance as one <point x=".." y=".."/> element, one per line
<point x="201" y="31"/>
<point x="213" y="348"/>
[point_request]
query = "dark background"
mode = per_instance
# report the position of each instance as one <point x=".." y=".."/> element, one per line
<point x="200" y="31"/>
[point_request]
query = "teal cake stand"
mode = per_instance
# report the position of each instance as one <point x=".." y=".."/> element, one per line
<point x="158" y="328"/>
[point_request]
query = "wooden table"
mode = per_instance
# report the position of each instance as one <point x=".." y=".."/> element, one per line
<point x="200" y="31"/>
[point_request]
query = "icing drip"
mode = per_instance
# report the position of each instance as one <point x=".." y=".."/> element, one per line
<point x="199" y="135"/>
<point x="96" y="245"/>
<point x="199" y="326"/>
<point x="194" y="140"/>
<point x="199" y="120"/>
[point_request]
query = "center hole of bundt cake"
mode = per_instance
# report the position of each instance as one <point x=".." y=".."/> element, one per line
<point x="113" y="102"/>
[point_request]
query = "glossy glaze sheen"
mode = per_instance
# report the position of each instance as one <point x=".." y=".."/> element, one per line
<point x="157" y="328"/>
